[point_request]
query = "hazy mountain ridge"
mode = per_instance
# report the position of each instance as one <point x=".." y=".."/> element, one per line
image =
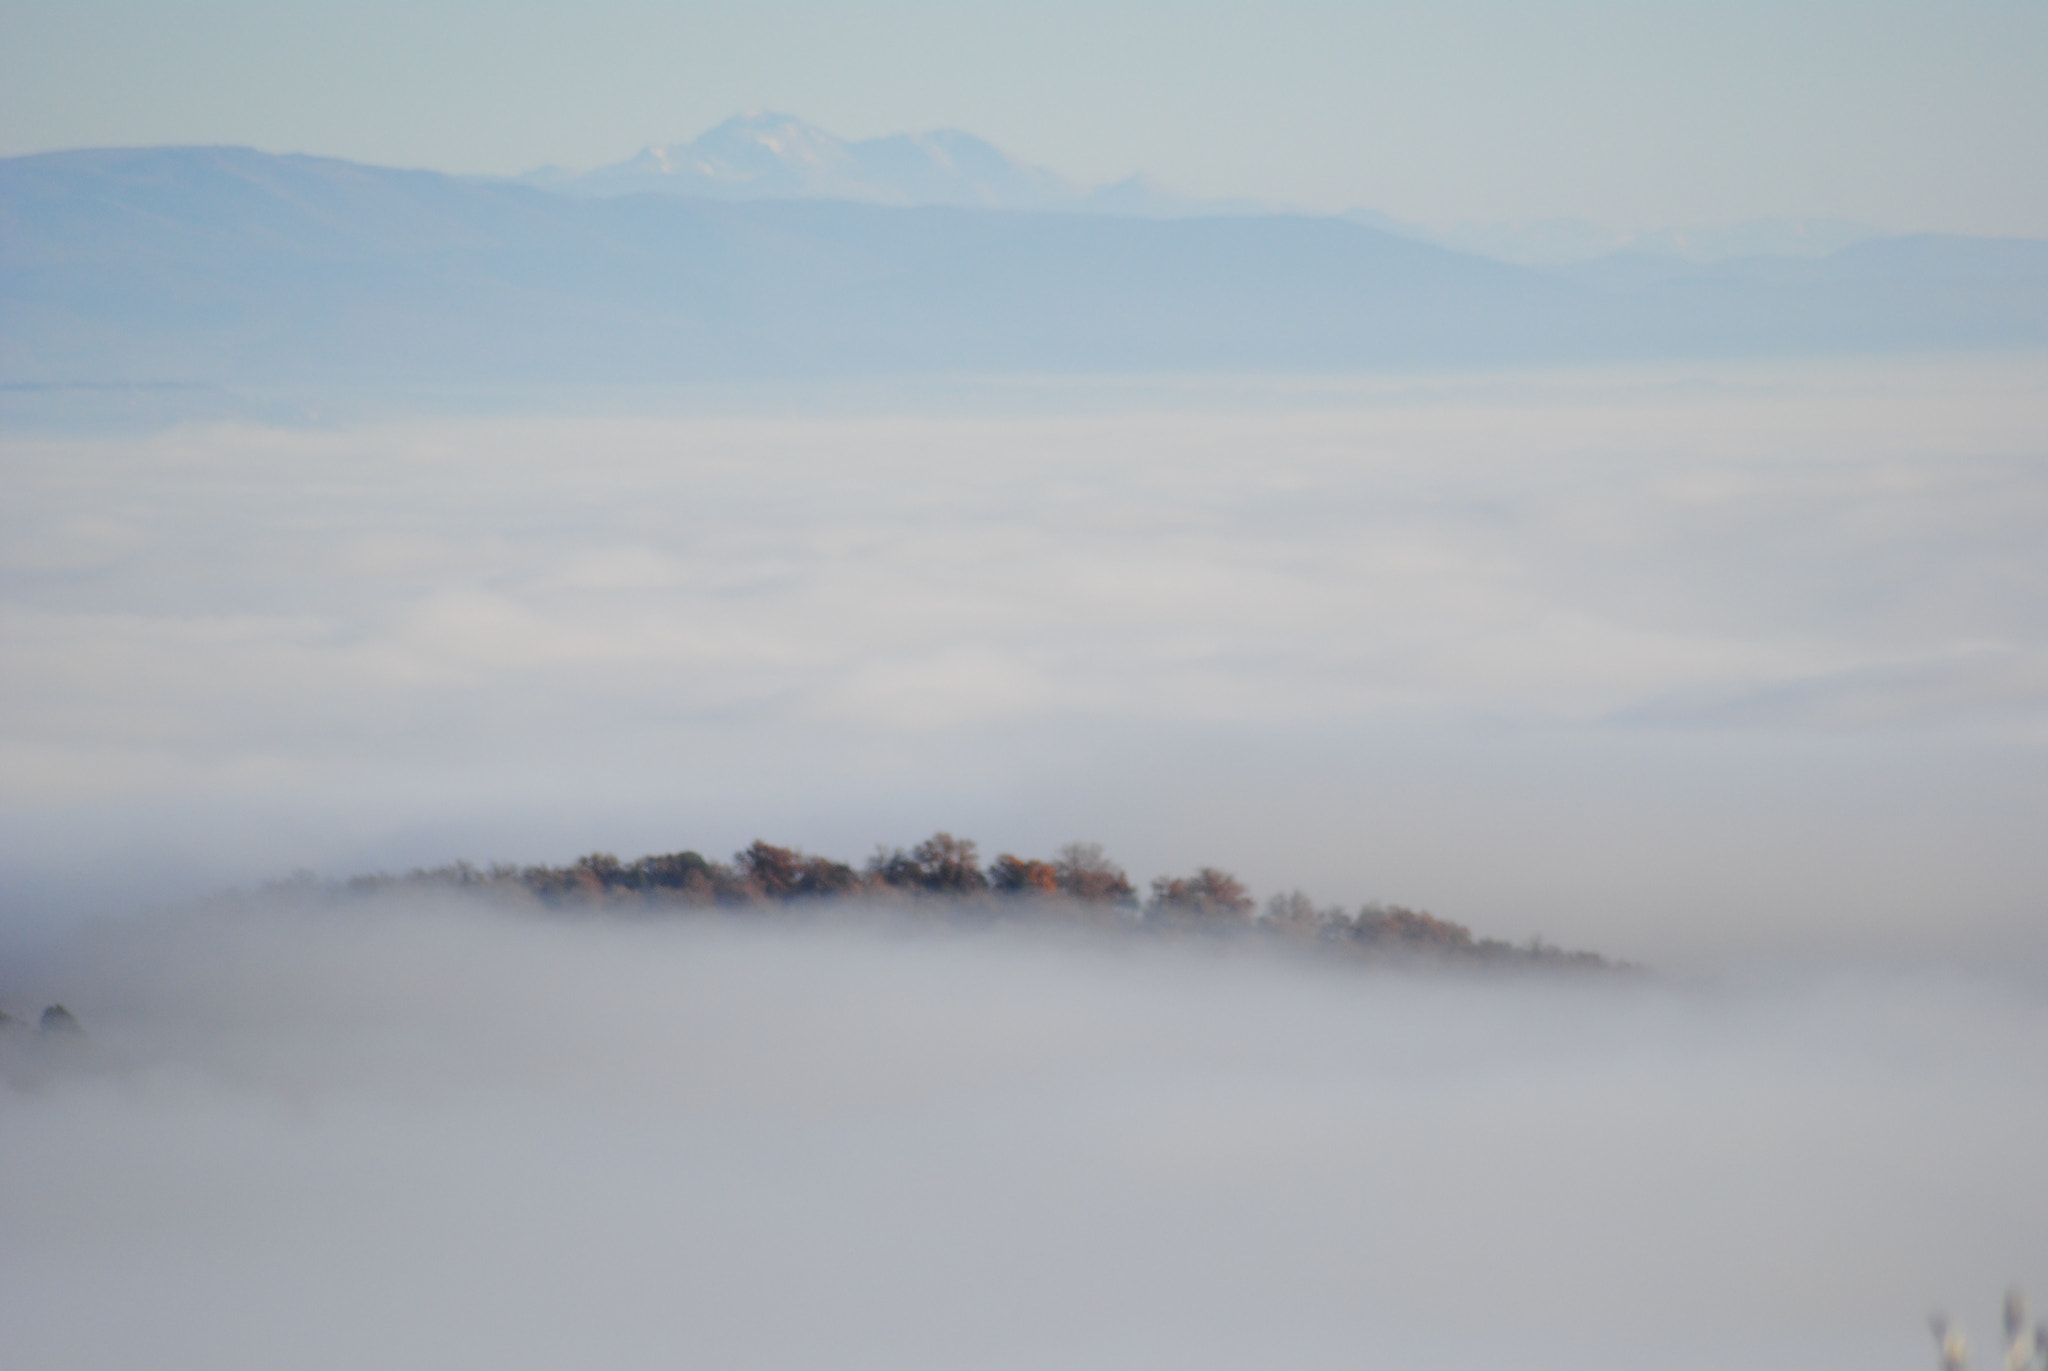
<point x="768" y="155"/>
<point x="222" y="265"/>
<point x="1568" y="242"/>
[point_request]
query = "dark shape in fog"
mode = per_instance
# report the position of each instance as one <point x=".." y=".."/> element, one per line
<point x="943" y="877"/>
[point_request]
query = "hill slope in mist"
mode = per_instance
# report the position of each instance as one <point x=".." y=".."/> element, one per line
<point x="222" y="265"/>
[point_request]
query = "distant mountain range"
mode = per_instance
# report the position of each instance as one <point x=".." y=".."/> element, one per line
<point x="227" y="266"/>
<point x="769" y="156"/>
<point x="1563" y="242"/>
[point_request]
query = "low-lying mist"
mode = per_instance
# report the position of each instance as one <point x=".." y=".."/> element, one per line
<point x="403" y="1131"/>
<point x="1691" y="666"/>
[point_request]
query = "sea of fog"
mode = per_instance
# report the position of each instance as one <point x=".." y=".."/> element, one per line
<point x="439" y="1136"/>
<point x="1738" y="671"/>
<point x="1690" y="665"/>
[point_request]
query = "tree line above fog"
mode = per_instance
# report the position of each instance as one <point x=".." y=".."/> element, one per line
<point x="944" y="877"/>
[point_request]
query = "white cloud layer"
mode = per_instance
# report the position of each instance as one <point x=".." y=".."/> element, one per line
<point x="1669" y="662"/>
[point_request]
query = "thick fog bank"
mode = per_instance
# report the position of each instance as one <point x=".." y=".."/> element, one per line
<point x="1687" y="666"/>
<point x="446" y="1136"/>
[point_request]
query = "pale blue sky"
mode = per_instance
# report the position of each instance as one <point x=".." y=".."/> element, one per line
<point x="1634" y="113"/>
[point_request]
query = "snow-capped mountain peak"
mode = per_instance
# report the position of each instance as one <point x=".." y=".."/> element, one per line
<point x="764" y="154"/>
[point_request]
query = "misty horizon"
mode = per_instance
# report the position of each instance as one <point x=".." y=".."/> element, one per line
<point x="151" y="273"/>
<point x="766" y="154"/>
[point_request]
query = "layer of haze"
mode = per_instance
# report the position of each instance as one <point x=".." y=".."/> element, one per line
<point x="448" y="1138"/>
<point x="1639" y="114"/>
<point x="1692" y="666"/>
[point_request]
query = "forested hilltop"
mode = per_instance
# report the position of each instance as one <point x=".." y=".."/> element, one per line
<point x="943" y="877"/>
